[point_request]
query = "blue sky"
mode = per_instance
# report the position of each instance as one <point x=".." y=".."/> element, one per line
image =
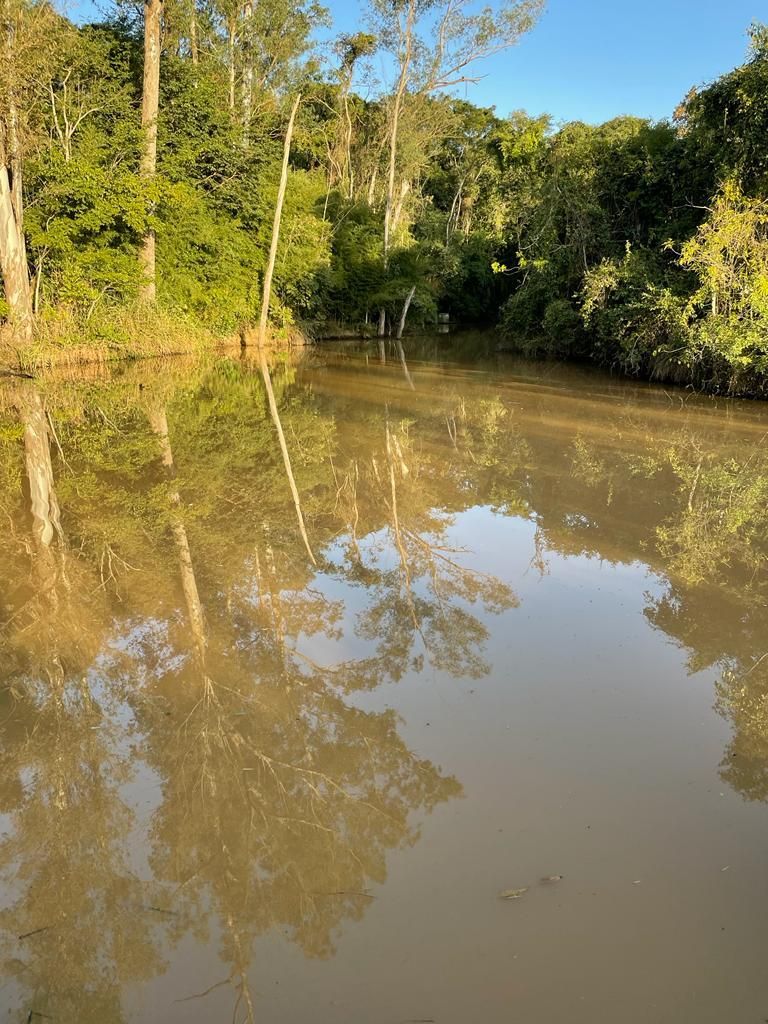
<point x="592" y="60"/>
<point x="595" y="59"/>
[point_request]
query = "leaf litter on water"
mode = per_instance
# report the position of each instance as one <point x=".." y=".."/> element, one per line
<point x="513" y="894"/>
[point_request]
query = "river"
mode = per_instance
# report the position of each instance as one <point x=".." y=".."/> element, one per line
<point x="454" y="710"/>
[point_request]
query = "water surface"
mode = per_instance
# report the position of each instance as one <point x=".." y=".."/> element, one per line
<point x="274" y="759"/>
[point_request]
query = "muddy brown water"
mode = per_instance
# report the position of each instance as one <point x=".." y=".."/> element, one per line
<point x="247" y="778"/>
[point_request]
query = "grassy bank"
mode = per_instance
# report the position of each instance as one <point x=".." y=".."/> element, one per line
<point x="124" y="333"/>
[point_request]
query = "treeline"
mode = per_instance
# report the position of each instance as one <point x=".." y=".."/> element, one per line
<point x="644" y="246"/>
<point x="140" y="159"/>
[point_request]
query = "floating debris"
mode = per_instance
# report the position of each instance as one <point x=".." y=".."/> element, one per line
<point x="513" y="894"/>
<point x="159" y="910"/>
<point x="550" y="879"/>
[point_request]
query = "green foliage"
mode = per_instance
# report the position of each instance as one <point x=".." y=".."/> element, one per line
<point x="617" y="226"/>
<point x="642" y="246"/>
<point x="208" y="264"/>
<point x="724" y="125"/>
<point x="561" y="324"/>
<point x="356" y="273"/>
<point x="632" y="318"/>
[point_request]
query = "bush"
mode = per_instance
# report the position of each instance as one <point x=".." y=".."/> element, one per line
<point x="562" y="325"/>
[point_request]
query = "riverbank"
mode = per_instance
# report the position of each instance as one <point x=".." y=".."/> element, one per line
<point x="126" y="334"/>
<point x="122" y="334"/>
<point x="695" y="366"/>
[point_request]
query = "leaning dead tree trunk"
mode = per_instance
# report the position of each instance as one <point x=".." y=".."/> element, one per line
<point x="150" y="105"/>
<point x="13" y="250"/>
<point x="266" y="295"/>
<point x="404" y="314"/>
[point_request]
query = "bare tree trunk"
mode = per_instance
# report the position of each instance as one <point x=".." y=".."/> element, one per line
<point x="11" y="144"/>
<point x="159" y="423"/>
<point x="231" y="63"/>
<point x="382" y="322"/>
<point x="454" y="212"/>
<point x="13" y="261"/>
<point x="13" y="249"/>
<point x="397" y="211"/>
<point x="397" y="104"/>
<point x="347" y="172"/>
<point x="375" y="171"/>
<point x="266" y="296"/>
<point x="247" y="72"/>
<point x="193" y="41"/>
<point x="372" y="186"/>
<point x="284" y="451"/>
<point x="150" y="104"/>
<point x="38" y="279"/>
<point x="404" y="314"/>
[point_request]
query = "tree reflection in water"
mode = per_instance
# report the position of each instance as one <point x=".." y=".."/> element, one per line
<point x="176" y="758"/>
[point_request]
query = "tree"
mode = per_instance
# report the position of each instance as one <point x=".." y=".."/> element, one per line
<point x="460" y="38"/>
<point x="270" y="269"/>
<point x="150" y="106"/>
<point x="263" y="321"/>
<point x="351" y="49"/>
<point x="15" y="21"/>
<point x="729" y="253"/>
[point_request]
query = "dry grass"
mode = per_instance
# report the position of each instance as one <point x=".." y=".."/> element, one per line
<point x="279" y="339"/>
<point x="63" y="339"/>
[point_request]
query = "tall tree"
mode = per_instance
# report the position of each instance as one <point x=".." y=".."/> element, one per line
<point x="248" y="57"/>
<point x="13" y="252"/>
<point x="267" y="289"/>
<point x="194" y="35"/>
<point x="351" y="49"/>
<point x="150" y="106"/>
<point x="434" y="47"/>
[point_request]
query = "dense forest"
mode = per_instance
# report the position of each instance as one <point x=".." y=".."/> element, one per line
<point x="140" y="159"/>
